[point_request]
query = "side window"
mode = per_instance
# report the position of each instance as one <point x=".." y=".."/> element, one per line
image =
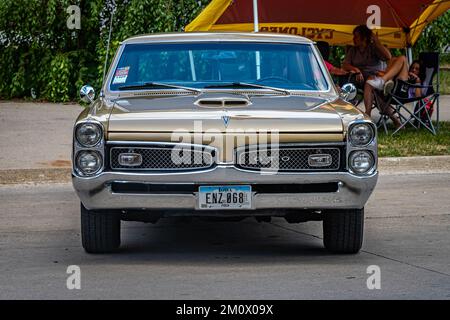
<point x="224" y="65"/>
<point x="237" y="66"/>
<point x="206" y="70"/>
<point x="164" y="66"/>
<point x="318" y="76"/>
<point x="274" y="65"/>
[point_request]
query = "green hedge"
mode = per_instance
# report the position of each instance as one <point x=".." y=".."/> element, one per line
<point x="41" y="58"/>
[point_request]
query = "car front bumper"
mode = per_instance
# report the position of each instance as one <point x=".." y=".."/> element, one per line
<point x="352" y="191"/>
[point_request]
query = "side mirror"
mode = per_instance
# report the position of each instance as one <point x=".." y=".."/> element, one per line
<point x="348" y="92"/>
<point x="87" y="94"/>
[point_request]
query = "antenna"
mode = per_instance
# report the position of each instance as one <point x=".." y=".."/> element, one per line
<point x="109" y="41"/>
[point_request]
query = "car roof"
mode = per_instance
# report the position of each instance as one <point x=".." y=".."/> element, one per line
<point x="217" y="36"/>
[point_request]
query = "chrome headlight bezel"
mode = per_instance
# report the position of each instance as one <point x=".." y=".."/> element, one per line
<point x="359" y="125"/>
<point x="99" y="133"/>
<point x="79" y="168"/>
<point x="98" y="147"/>
<point x="372" y="164"/>
<point x="371" y="147"/>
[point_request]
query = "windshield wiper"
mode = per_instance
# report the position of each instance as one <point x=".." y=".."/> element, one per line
<point x="246" y="85"/>
<point x="153" y="85"/>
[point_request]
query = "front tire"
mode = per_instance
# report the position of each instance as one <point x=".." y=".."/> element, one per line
<point x="100" y="231"/>
<point x="343" y="230"/>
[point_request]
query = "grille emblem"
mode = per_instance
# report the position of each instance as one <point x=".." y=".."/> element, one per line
<point x="226" y="120"/>
<point x="130" y="159"/>
<point x="320" y="160"/>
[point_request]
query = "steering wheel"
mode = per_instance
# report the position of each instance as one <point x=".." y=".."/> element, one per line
<point x="273" y="78"/>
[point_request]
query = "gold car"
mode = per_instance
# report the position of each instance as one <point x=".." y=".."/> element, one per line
<point x="228" y="125"/>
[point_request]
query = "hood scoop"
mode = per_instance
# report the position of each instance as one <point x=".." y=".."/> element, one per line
<point x="225" y="101"/>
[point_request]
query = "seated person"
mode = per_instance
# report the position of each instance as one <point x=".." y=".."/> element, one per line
<point x="324" y="49"/>
<point x="397" y="69"/>
<point x="365" y="59"/>
<point x="415" y="71"/>
<point x="335" y="71"/>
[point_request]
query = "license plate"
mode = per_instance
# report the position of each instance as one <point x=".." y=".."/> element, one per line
<point x="225" y="197"/>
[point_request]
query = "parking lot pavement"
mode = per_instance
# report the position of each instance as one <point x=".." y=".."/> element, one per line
<point x="407" y="232"/>
<point x="41" y="134"/>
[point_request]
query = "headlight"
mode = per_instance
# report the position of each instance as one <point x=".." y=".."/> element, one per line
<point x="361" y="162"/>
<point x="88" y="134"/>
<point x="361" y="134"/>
<point x="89" y="162"/>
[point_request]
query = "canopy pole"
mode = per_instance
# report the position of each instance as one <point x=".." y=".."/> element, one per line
<point x="409" y="54"/>
<point x="255" y="16"/>
<point x="191" y="62"/>
<point x="256" y="29"/>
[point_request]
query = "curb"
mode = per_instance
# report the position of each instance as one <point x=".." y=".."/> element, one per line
<point x="414" y="165"/>
<point x="44" y="175"/>
<point x="386" y="166"/>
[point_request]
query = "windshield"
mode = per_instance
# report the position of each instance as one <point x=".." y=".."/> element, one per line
<point x="210" y="64"/>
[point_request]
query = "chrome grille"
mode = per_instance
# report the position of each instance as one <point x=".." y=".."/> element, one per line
<point x="287" y="158"/>
<point x="165" y="157"/>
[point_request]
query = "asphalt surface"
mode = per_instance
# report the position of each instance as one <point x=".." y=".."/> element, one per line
<point x="407" y="234"/>
<point x="41" y="134"/>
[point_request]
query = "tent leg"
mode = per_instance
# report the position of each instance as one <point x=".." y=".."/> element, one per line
<point x="439" y="94"/>
<point x="409" y="55"/>
<point x="256" y="29"/>
<point x="255" y="16"/>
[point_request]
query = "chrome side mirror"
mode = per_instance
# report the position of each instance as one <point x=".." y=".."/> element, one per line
<point x="348" y="92"/>
<point x="87" y="94"/>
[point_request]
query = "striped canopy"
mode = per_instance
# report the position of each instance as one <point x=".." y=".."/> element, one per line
<point x="401" y="21"/>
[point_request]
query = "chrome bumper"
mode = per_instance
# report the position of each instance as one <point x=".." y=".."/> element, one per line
<point x="353" y="191"/>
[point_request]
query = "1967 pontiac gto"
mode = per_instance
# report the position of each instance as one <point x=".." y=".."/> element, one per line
<point x="225" y="125"/>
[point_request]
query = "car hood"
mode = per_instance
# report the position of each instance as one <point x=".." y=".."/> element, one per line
<point x="224" y="112"/>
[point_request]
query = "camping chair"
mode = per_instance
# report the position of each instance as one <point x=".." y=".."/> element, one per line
<point x="424" y="104"/>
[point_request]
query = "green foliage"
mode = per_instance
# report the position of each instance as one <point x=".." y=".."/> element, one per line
<point x="39" y="54"/>
<point x="435" y="37"/>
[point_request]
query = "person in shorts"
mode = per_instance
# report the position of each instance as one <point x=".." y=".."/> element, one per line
<point x="366" y="59"/>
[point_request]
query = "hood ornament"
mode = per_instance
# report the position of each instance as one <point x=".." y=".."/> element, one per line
<point x="226" y="120"/>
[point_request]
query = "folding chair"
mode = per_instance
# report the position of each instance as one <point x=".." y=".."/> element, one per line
<point x="424" y="104"/>
<point x="380" y="100"/>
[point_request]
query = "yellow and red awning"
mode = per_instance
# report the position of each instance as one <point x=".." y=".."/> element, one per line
<point x="401" y="21"/>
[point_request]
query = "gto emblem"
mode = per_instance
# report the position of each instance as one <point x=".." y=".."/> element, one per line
<point x="320" y="160"/>
<point x="226" y="120"/>
<point x="130" y="159"/>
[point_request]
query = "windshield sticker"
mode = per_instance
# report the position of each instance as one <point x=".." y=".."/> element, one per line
<point x="121" y="75"/>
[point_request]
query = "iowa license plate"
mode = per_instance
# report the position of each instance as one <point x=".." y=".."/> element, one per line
<point x="225" y="197"/>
